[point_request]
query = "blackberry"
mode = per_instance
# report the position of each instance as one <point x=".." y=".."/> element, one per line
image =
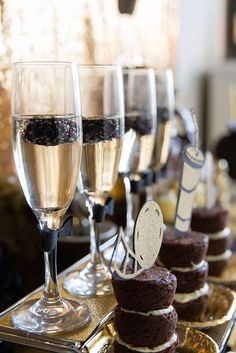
<point x="50" y="131"/>
<point x="163" y="114"/>
<point x="139" y="124"/>
<point x="98" y="129"/>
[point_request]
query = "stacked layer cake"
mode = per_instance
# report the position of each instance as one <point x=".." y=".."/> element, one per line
<point x="184" y="256"/>
<point x="214" y="223"/>
<point x="145" y="319"/>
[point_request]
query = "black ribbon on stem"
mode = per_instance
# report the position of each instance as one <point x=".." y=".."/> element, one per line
<point x="100" y="211"/>
<point x="147" y="178"/>
<point x="49" y="236"/>
<point x="157" y="175"/>
<point x="136" y="186"/>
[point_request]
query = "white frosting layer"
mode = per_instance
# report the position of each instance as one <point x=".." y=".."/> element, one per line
<point x="160" y="348"/>
<point x="153" y="312"/>
<point x="189" y="269"/>
<point x="226" y="255"/>
<point x="187" y="297"/>
<point x="219" y="235"/>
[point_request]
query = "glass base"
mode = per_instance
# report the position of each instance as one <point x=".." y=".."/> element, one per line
<point x="50" y="317"/>
<point x="93" y="280"/>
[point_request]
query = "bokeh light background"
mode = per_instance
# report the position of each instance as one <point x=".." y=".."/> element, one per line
<point x="85" y="31"/>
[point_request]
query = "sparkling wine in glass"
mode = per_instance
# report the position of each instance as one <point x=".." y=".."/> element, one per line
<point x="165" y="113"/>
<point x="47" y="146"/>
<point x="103" y="129"/>
<point x="141" y="118"/>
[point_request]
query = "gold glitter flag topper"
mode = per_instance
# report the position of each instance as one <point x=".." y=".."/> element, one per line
<point x="147" y="239"/>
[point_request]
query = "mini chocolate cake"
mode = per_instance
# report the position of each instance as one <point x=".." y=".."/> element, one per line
<point x="213" y="221"/>
<point x="158" y="284"/>
<point x="120" y="347"/>
<point x="145" y="329"/>
<point x="184" y="256"/>
<point x="207" y="220"/>
<point x="145" y="317"/>
<point x="194" y="310"/>
<point x="183" y="251"/>
<point x="220" y="242"/>
<point x="189" y="281"/>
<point x="218" y="264"/>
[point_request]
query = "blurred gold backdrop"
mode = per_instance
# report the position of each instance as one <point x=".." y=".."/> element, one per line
<point x="85" y="31"/>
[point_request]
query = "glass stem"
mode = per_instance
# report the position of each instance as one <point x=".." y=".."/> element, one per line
<point x="129" y="207"/>
<point x="94" y="233"/>
<point x="136" y="204"/>
<point x="51" y="291"/>
<point x="154" y="191"/>
<point x="149" y="194"/>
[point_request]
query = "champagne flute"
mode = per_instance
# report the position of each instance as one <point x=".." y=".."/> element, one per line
<point x="124" y="169"/>
<point x="103" y="129"/>
<point x="141" y="117"/>
<point x="165" y="113"/>
<point x="47" y="145"/>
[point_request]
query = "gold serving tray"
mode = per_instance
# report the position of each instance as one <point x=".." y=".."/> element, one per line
<point x="221" y="308"/>
<point x="99" y="307"/>
<point x="228" y="277"/>
<point x="193" y="341"/>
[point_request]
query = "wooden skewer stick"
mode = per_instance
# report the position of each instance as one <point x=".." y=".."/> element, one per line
<point x="192" y="111"/>
<point x="210" y="193"/>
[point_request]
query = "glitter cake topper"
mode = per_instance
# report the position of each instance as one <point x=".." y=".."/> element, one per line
<point x="193" y="160"/>
<point x="147" y="239"/>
